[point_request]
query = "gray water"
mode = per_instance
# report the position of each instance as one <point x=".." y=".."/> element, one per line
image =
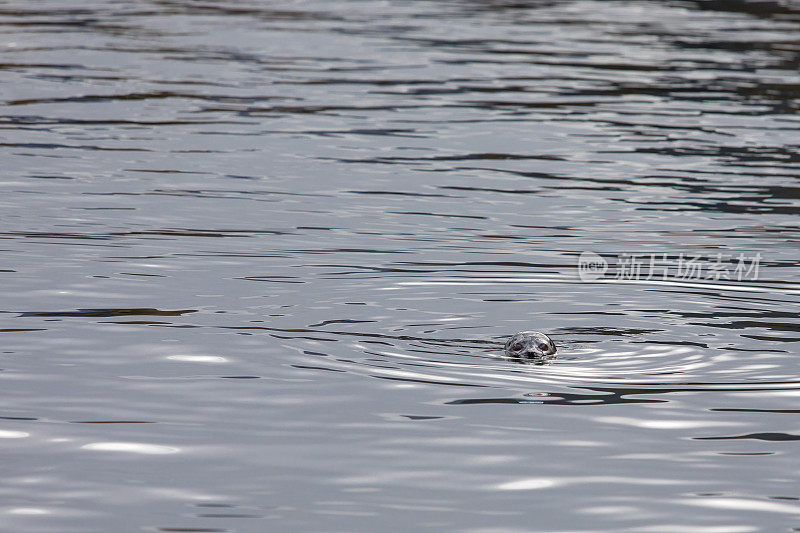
<point x="258" y="261"/>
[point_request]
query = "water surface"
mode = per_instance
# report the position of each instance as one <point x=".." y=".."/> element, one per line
<point x="259" y="260"/>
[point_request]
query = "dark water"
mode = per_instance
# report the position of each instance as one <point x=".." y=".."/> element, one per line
<point x="259" y="260"/>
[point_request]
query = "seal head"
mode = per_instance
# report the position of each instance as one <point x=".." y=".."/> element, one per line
<point x="530" y="345"/>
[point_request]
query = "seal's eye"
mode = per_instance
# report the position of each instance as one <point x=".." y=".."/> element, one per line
<point x="543" y="347"/>
<point x="517" y="346"/>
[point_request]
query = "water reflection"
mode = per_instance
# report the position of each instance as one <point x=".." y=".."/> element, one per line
<point x="107" y="313"/>
<point x="280" y="247"/>
<point x="130" y="447"/>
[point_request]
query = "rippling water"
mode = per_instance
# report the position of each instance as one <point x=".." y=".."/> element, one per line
<point x="259" y="260"/>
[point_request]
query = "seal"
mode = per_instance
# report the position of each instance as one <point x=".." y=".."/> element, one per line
<point x="530" y="345"/>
